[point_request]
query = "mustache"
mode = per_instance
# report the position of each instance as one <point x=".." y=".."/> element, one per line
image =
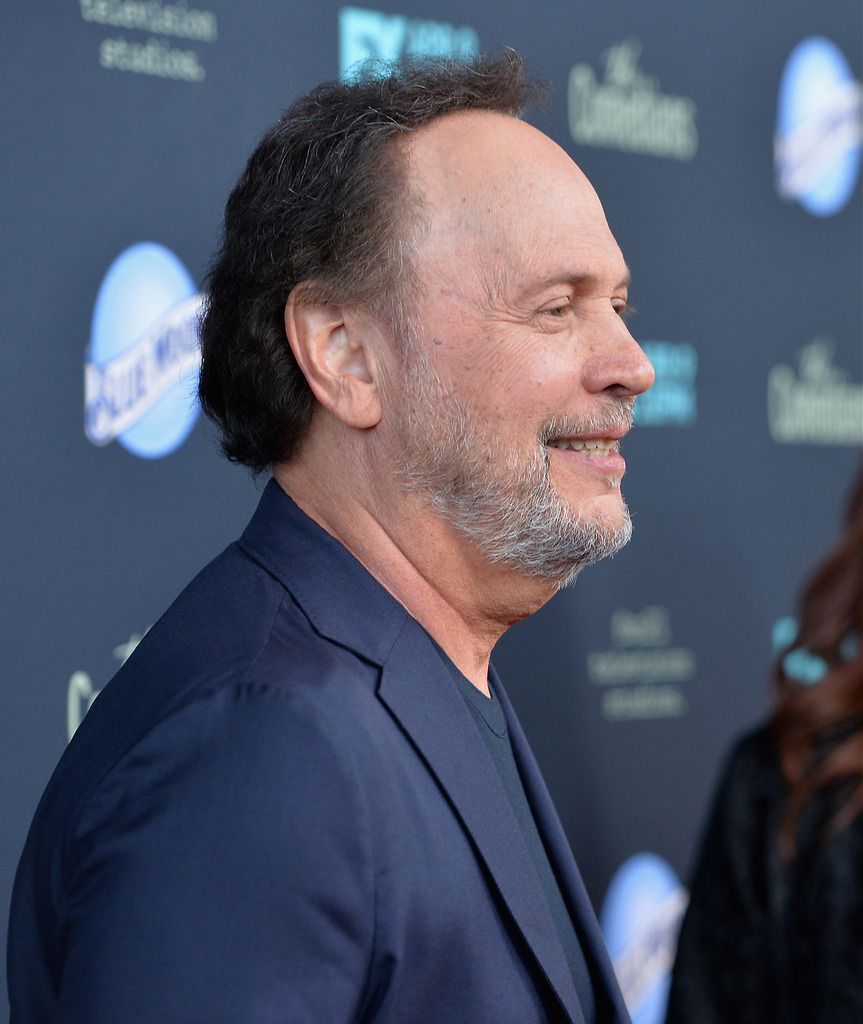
<point x="617" y="415"/>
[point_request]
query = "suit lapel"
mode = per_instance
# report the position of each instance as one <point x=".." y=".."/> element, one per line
<point x="562" y="862"/>
<point x="417" y="689"/>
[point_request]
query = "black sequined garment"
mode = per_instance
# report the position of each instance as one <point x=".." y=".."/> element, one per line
<point x="765" y="941"/>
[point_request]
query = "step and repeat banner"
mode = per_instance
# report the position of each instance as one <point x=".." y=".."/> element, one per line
<point x="725" y="142"/>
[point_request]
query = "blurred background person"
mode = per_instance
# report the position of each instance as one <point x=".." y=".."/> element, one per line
<point x="774" y="928"/>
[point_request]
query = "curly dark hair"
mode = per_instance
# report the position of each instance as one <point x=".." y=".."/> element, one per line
<point x="325" y="201"/>
<point x="818" y="730"/>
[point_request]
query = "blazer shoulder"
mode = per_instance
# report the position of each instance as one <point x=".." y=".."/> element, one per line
<point x="233" y="624"/>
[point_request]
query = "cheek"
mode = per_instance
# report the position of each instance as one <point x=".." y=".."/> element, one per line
<point x="510" y="372"/>
<point x="538" y="384"/>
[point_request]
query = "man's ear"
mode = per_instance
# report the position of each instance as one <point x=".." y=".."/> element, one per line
<point x="336" y="358"/>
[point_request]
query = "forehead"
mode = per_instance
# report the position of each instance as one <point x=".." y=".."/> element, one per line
<point x="501" y="199"/>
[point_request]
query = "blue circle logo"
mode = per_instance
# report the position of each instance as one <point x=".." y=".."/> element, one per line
<point x="640" y="919"/>
<point x="819" y="128"/>
<point x="143" y="361"/>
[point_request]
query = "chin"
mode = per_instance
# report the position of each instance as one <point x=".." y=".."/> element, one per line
<point x="604" y="507"/>
<point x="609" y="517"/>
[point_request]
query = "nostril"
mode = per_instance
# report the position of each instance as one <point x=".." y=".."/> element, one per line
<point x="629" y="373"/>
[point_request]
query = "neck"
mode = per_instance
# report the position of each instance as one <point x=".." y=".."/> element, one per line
<point x="463" y="601"/>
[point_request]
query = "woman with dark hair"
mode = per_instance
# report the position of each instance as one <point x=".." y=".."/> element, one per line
<point x="774" y="929"/>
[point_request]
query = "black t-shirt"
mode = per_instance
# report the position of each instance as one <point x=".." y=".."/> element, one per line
<point x="490" y="721"/>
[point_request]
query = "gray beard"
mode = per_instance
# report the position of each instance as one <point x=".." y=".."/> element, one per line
<point x="500" y="500"/>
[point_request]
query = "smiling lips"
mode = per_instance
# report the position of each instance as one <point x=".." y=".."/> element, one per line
<point x="597" y="445"/>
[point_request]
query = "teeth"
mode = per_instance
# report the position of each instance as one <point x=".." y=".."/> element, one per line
<point x="601" y="446"/>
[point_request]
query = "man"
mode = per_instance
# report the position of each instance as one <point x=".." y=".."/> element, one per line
<point x="306" y="798"/>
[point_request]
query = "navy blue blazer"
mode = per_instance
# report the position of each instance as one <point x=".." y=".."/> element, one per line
<point x="280" y="810"/>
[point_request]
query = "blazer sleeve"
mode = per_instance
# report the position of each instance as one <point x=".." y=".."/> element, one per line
<point x="222" y="872"/>
<point x="724" y="969"/>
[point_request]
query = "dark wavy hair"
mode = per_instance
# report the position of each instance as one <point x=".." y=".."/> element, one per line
<point x="818" y="729"/>
<point x="325" y="201"/>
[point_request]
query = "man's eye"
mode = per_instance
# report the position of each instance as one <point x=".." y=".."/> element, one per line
<point x="557" y="311"/>
<point x="625" y="311"/>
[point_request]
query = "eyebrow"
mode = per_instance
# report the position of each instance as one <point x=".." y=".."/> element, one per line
<point x="582" y="279"/>
<point x="576" y="279"/>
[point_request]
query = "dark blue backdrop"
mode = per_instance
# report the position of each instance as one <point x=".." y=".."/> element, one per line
<point x="725" y="143"/>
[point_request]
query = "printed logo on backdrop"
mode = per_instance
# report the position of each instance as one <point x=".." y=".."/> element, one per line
<point x="642" y="675"/>
<point x="626" y="109"/>
<point x="141" y="373"/>
<point x="640" y="920"/>
<point x="375" y="38"/>
<point x="81" y="691"/>
<point x="672" y="401"/>
<point x="150" y="51"/>
<point x="816" y="402"/>
<point x="819" y="128"/>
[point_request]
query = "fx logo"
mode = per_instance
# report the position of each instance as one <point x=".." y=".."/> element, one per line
<point x="373" y="37"/>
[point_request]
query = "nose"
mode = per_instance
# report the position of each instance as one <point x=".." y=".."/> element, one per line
<point x="619" y="366"/>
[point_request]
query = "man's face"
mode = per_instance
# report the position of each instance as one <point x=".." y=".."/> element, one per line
<point x="521" y="383"/>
